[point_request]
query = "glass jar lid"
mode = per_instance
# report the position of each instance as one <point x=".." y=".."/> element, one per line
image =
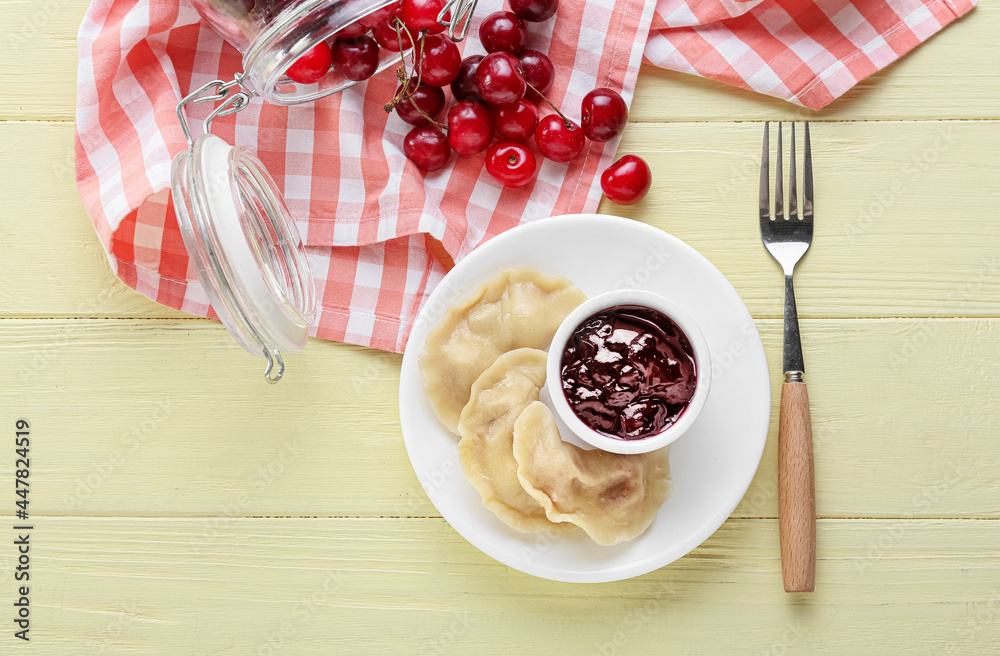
<point x="243" y="244"/>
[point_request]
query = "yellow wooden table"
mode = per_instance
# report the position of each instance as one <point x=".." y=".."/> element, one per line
<point x="182" y="506"/>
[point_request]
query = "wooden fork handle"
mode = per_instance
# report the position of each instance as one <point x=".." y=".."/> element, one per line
<point x="796" y="490"/>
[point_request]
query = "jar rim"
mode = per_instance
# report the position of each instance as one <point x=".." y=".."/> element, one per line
<point x="283" y="42"/>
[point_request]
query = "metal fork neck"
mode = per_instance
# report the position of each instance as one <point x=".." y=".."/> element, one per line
<point x="793" y="362"/>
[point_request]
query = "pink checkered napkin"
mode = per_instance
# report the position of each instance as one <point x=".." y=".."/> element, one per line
<point x="371" y="222"/>
<point x="375" y="228"/>
<point x="809" y="52"/>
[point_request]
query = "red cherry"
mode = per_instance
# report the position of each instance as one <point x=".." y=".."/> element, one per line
<point x="352" y="31"/>
<point x="499" y="79"/>
<point x="534" y="11"/>
<point x="311" y="66"/>
<point x="503" y="31"/>
<point x="470" y="127"/>
<point x="427" y="147"/>
<point x="538" y="71"/>
<point x="422" y="15"/>
<point x="512" y="164"/>
<point x="385" y="34"/>
<point x="464" y="86"/>
<point x="626" y="181"/>
<point x="440" y="62"/>
<point x="425" y="99"/>
<point x="356" y="59"/>
<point x="604" y="114"/>
<point x="558" y="141"/>
<point x="380" y="16"/>
<point x="515" y="122"/>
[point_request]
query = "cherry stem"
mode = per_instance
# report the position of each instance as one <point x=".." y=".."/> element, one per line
<point x="569" y="123"/>
<point x="406" y="93"/>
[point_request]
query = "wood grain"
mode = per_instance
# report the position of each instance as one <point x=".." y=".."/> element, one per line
<point x="166" y="418"/>
<point x="796" y="490"/>
<point x="184" y="507"/>
<point x="186" y="586"/>
<point x="870" y="203"/>
<point x="53" y="263"/>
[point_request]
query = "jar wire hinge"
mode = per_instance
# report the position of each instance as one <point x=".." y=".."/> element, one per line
<point x="230" y="103"/>
<point x="231" y="97"/>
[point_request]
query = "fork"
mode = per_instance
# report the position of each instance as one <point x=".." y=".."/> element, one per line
<point x="787" y="240"/>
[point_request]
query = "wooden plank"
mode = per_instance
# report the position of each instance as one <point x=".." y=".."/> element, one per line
<point x="39" y="37"/>
<point x="53" y="263"/>
<point x="172" y="418"/>
<point x="166" y="424"/>
<point x="938" y="80"/>
<point x="877" y="228"/>
<point x="364" y="586"/>
<point x="906" y="214"/>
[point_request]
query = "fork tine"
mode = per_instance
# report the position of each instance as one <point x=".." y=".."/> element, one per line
<point x="779" y="185"/>
<point x="793" y="210"/>
<point x="807" y="201"/>
<point x="765" y="197"/>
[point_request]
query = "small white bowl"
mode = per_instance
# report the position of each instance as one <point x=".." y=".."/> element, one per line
<point x="702" y="361"/>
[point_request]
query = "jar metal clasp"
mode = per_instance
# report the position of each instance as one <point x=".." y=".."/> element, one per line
<point x="461" y="17"/>
<point x="230" y="103"/>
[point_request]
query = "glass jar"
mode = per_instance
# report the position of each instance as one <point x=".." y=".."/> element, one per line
<point x="272" y="34"/>
<point x="239" y="235"/>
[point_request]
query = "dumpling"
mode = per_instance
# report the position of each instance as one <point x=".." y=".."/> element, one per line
<point x="498" y="397"/>
<point x="612" y="497"/>
<point x="519" y="308"/>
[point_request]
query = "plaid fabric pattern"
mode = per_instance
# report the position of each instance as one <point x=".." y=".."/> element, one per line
<point x="378" y="233"/>
<point x="809" y="52"/>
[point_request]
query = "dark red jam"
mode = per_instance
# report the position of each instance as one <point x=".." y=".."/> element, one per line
<point x="628" y="372"/>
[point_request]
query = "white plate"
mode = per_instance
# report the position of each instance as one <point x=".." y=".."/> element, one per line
<point x="711" y="465"/>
